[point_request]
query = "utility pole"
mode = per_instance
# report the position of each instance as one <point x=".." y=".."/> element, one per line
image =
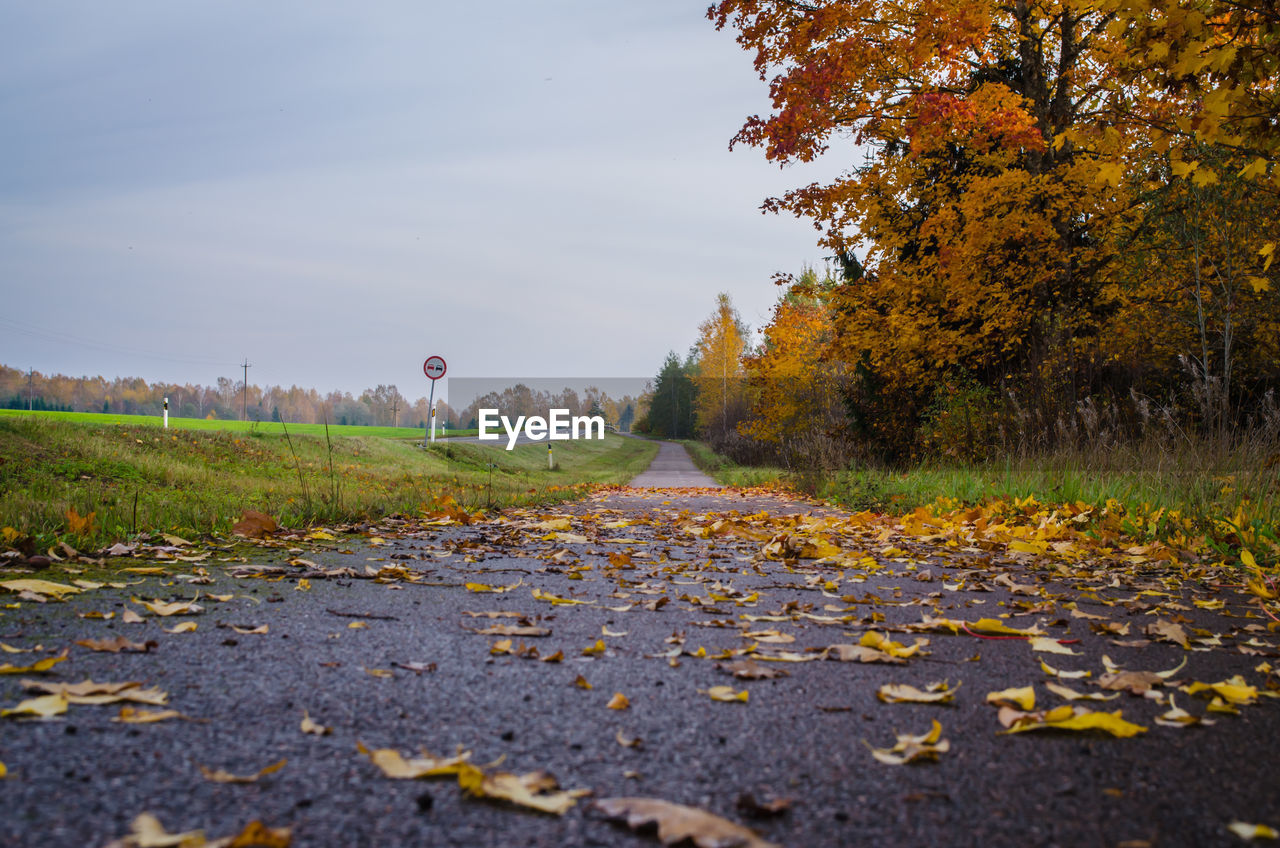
<point x="30" y="388"/>
<point x="395" y="411"/>
<point x="244" y="391"/>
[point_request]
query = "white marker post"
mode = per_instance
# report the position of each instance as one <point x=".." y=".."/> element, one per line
<point x="166" y="413"/>
<point x="551" y="460"/>
<point x="434" y="368"/>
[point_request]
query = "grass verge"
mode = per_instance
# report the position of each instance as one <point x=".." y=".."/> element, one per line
<point x="94" y="483"/>
<point x="1200" y="499"/>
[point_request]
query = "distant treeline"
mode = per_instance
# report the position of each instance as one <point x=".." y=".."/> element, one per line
<point x="382" y="405"/>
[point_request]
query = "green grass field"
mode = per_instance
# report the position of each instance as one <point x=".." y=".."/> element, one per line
<point x="58" y="468"/>
<point x="265" y="427"/>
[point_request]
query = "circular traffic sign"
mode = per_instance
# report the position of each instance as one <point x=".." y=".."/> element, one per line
<point x="434" y="367"/>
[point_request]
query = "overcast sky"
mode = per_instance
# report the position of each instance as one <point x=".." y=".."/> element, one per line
<point x="337" y="190"/>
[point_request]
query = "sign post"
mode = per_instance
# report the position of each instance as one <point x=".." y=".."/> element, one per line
<point x="166" y="413"/>
<point x="434" y="368"/>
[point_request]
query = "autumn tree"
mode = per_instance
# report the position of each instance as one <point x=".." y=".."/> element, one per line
<point x="718" y="369"/>
<point x="796" y="389"/>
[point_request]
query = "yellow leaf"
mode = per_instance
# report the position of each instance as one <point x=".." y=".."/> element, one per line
<point x="1250" y="832"/>
<point x="581" y="682"/>
<point x="910" y="748"/>
<point x="133" y="715"/>
<point x="727" y="694"/>
<point x="309" y="726"/>
<point x="40" y="587"/>
<point x="1256" y="168"/>
<point x="1233" y="690"/>
<point x="532" y="790"/>
<point x="1259" y="284"/>
<point x="220" y="776"/>
<point x="45" y="706"/>
<point x="1046" y="645"/>
<point x="357" y="625"/>
<point x="619" y="701"/>
<point x="595" y="649"/>
<point x="1067" y="675"/>
<point x="37" y="666"/>
<point x="181" y="627"/>
<point x="395" y="766"/>
<point x="1204" y="178"/>
<point x="901" y="693"/>
<point x="1024" y="697"/>
<point x="1078" y="718"/>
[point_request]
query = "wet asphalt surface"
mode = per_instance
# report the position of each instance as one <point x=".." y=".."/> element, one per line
<point x="79" y="779"/>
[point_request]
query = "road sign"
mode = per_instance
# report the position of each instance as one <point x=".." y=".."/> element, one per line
<point x="434" y="367"/>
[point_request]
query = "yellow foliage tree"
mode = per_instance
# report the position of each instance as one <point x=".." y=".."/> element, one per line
<point x="718" y="371"/>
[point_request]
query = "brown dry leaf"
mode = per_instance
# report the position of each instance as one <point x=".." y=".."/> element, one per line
<point x="89" y="692"/>
<point x="619" y="701"/>
<point x="131" y="617"/>
<point x="513" y="630"/>
<point x="749" y="669"/>
<point x="677" y="823"/>
<point x="258" y="835"/>
<point x="309" y="726"/>
<point x="901" y="693"/>
<point x="37" y="667"/>
<point x="762" y="809"/>
<point x="147" y="832"/>
<point x="254" y="524"/>
<point x="1133" y="682"/>
<point x="1168" y="631"/>
<point x="117" y="645"/>
<point x="220" y="776"/>
<point x="581" y="682"/>
<point x="251" y="631"/>
<point x="395" y="766"/>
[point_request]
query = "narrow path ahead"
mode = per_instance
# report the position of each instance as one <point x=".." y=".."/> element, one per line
<point x="673" y="468"/>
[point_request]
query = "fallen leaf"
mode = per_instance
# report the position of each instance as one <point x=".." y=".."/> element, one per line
<point x="220" y="776"/>
<point x="1178" y="717"/>
<point x="1249" y="832"/>
<point x="1066" y="675"/>
<point x="395" y="766"/>
<point x="677" y="823"/>
<point x="133" y="715"/>
<point x="309" y="726"/>
<point x="1022" y="697"/>
<point x="619" y="701"/>
<point x="254" y="524"/>
<point x="901" y="693"/>
<point x="1045" y="645"/>
<point x="39" y="587"/>
<point x="749" y="669"/>
<point x="535" y="790"/>
<point x="1169" y="632"/>
<point x="162" y="608"/>
<point x="1067" y="717"/>
<point x="261" y="629"/>
<point x="910" y="748"/>
<point x="628" y="741"/>
<point x="37" y="667"/>
<point x="581" y="682"/>
<point x="181" y="627"/>
<point x="513" y="630"/>
<point x="45" y="706"/>
<point x="89" y="692"/>
<point x="116" y="645"/>
<point x="861" y="653"/>
<point x="131" y="617"/>
<point x="726" y="694"/>
<point x="1072" y="695"/>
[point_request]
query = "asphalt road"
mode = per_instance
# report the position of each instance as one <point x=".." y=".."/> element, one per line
<point x="79" y="779"/>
